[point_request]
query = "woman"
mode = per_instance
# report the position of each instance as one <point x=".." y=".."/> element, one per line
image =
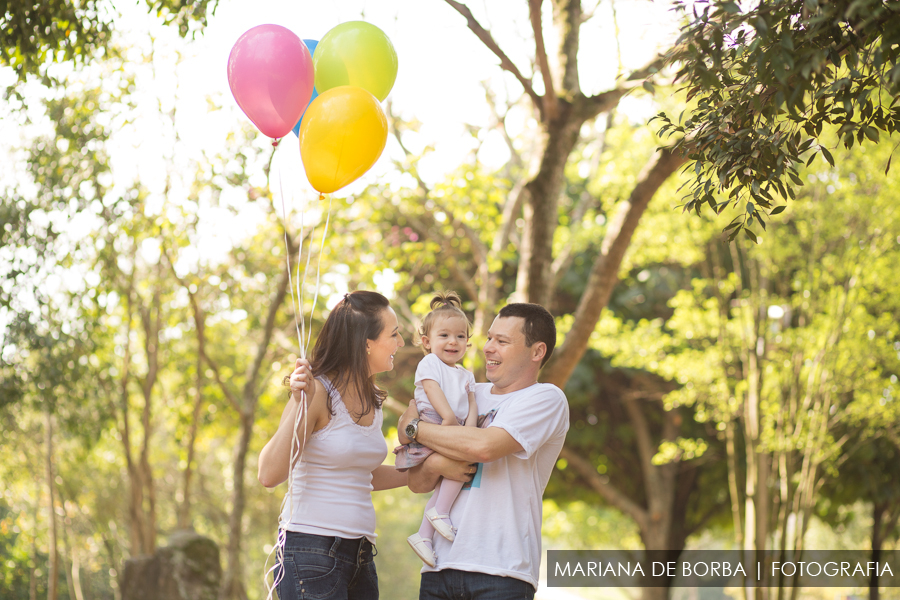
<point x="330" y="522"/>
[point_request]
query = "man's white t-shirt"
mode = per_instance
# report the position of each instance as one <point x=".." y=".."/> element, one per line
<point x="498" y="515"/>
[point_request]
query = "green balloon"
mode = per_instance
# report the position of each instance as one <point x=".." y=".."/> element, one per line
<point x="359" y="54"/>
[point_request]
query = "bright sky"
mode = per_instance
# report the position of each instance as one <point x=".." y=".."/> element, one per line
<point x="441" y="64"/>
<point x="441" y="67"/>
<point x="441" y="61"/>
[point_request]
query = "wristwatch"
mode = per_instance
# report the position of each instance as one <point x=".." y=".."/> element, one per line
<point x="412" y="429"/>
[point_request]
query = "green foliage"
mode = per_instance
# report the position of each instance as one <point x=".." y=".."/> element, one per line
<point x="808" y="320"/>
<point x="671" y="340"/>
<point x="764" y="81"/>
<point x="14" y="560"/>
<point x="68" y="168"/>
<point x="582" y="526"/>
<point x="112" y="350"/>
<point x="34" y="35"/>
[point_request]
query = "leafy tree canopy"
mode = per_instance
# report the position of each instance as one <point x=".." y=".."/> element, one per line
<point x="35" y="33"/>
<point x="765" y="80"/>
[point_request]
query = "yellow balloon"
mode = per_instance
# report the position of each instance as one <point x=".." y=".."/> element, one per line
<point x="342" y="134"/>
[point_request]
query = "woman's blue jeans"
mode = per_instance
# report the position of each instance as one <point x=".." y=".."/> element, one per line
<point x="327" y="568"/>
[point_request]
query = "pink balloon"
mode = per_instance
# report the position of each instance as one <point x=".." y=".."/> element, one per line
<point x="270" y="72"/>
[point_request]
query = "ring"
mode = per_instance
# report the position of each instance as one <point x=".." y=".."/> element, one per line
<point x="286" y="381"/>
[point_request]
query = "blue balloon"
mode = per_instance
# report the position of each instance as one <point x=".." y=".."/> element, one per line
<point x="311" y="45"/>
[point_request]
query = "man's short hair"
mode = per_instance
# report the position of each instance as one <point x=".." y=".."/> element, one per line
<point x="539" y="324"/>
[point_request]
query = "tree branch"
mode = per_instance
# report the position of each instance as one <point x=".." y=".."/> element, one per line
<point x="511" y="209"/>
<point x="251" y="385"/>
<point x="200" y="327"/>
<point x="516" y="196"/>
<point x="605" y="272"/>
<point x="515" y="157"/>
<point x="588" y="15"/>
<point x="604" y="488"/>
<point x="461" y="277"/>
<point x="550" y="103"/>
<point x="479" y="248"/>
<point x="566" y="255"/>
<point x="126" y="374"/>
<point x="605" y="101"/>
<point x="567" y="17"/>
<point x="646" y="447"/>
<point x="505" y="63"/>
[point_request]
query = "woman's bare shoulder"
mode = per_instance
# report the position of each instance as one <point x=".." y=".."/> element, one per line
<point x="319" y="415"/>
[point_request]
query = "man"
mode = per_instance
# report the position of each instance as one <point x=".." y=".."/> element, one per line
<point x="496" y="553"/>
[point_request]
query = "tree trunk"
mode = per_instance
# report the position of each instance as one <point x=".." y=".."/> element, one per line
<point x="731" y="453"/>
<point x="67" y="552"/>
<point x="184" y="509"/>
<point x="659" y="485"/>
<point x="135" y="512"/>
<point x="878" y="509"/>
<point x="232" y="587"/>
<point x="232" y="584"/>
<point x="76" y="574"/>
<point x="53" y="554"/>
<point x="148" y="519"/>
<point x="136" y="526"/>
<point x="32" y="584"/>
<point x="152" y="327"/>
<point x="786" y="501"/>
<point x="756" y="491"/>
<point x="540" y="211"/>
<point x="108" y="544"/>
<point x="70" y="549"/>
<point x="753" y="349"/>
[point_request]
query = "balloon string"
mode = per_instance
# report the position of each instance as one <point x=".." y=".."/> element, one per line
<point x="296" y="448"/>
<point x="301" y="282"/>
<point x="302" y="287"/>
<point x="296" y="455"/>
<point x="287" y="251"/>
<point x="318" y="265"/>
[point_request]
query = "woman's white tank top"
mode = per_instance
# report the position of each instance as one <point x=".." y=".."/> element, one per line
<point x="332" y="485"/>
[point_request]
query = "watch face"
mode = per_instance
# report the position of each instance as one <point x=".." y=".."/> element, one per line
<point x="410" y="430"/>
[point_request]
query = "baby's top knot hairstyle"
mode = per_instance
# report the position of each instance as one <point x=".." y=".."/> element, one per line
<point x="443" y="304"/>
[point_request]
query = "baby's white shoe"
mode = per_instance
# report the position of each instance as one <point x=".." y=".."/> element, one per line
<point x="422" y="547"/>
<point x="441" y="523"/>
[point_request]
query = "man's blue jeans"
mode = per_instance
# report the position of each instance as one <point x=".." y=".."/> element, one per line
<point x="451" y="584"/>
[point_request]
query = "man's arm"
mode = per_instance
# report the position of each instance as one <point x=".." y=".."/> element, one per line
<point x="468" y="444"/>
